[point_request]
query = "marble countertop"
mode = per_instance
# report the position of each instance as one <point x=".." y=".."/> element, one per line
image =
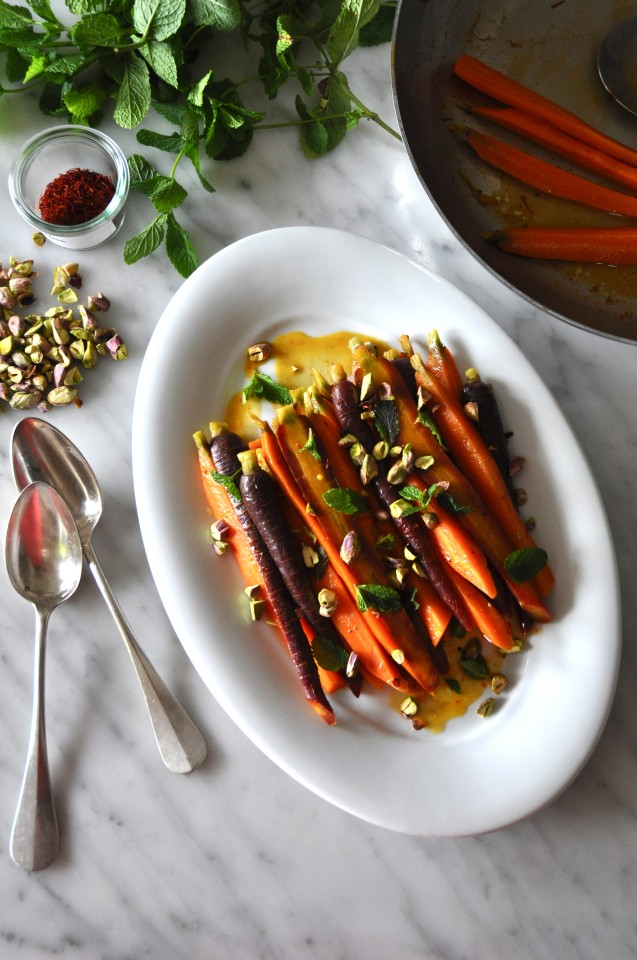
<point x="237" y="859"/>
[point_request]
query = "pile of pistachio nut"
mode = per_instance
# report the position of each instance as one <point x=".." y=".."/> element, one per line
<point x="43" y="355"/>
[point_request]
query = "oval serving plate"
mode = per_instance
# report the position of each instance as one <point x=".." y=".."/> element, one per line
<point x="479" y="774"/>
<point x="554" y="51"/>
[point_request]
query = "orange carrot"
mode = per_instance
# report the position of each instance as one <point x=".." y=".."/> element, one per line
<point x="331" y="680"/>
<point x="456" y="545"/>
<point x="489" y="620"/>
<point x="505" y="90"/>
<point x="547" y="136"/>
<point x="355" y="627"/>
<point x="474" y="458"/>
<point x="222" y="509"/>
<point x="432" y="608"/>
<point x="440" y="360"/>
<point x="393" y="628"/>
<point x="548" y="178"/>
<point x="616" y="246"/>
<point x="478" y="520"/>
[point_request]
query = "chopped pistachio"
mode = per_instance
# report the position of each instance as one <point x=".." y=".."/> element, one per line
<point x="61" y="396"/>
<point x="38" y="238"/>
<point x="366" y="386"/>
<point x="7" y="300"/>
<point x="395" y="451"/>
<point x="219" y="529"/>
<point x="350" y="547"/>
<point x="418" y="570"/>
<point x="220" y="546"/>
<point x="407" y="456"/>
<point x="498" y="683"/>
<point x="357" y="453"/>
<point x="397" y="473"/>
<point x="409" y="707"/>
<point x="409" y="553"/>
<point x="68" y="295"/>
<point x="486" y="707"/>
<point x="347" y="440"/>
<point x="398" y="656"/>
<point x="472" y="410"/>
<point x="400" y="508"/>
<point x="369" y="469"/>
<point x="328" y="602"/>
<point x="310" y="556"/>
<point x="259" y="352"/>
<point x="424" y="462"/>
<point x="352" y="666"/>
<point x="100" y="303"/>
<point x="257" y="609"/>
<point x="381" y="450"/>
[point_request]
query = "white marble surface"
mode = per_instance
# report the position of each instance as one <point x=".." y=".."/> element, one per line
<point x="237" y="859"/>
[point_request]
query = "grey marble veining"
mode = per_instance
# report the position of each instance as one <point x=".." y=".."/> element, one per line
<point x="238" y="859"/>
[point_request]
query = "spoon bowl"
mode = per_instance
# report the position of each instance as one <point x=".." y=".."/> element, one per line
<point x="617" y="63"/>
<point x="42" y="452"/>
<point x="44" y="561"/>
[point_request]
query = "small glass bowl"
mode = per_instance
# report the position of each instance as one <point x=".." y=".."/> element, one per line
<point x="55" y="151"/>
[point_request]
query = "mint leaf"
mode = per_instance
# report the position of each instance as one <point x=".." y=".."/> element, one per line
<point x="133" y="97"/>
<point x="451" y="504"/>
<point x="344" y="500"/>
<point x="453" y="684"/>
<point x="14" y="18"/>
<point x="220" y="14"/>
<point x="328" y="654"/>
<point x="386" y="420"/>
<point x="169" y="142"/>
<point x="158" y="19"/>
<point x="343" y="36"/>
<point x="84" y="102"/>
<point x="525" y="563"/>
<point x="160" y="58"/>
<point x="97" y="30"/>
<point x="374" y="596"/>
<point x="179" y="248"/>
<point x="261" y="385"/>
<point x="228" y="483"/>
<point x="428" y="421"/>
<point x="310" y="445"/>
<point x="144" y="242"/>
<point x="380" y="29"/>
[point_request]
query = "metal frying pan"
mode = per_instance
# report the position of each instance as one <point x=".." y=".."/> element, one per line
<point x="552" y="47"/>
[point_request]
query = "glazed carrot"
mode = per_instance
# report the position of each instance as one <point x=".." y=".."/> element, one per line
<point x="616" y="246"/>
<point x="331" y="680"/>
<point x="435" y="613"/>
<point x="474" y="459"/>
<point x="224" y="448"/>
<point x="222" y="509"/>
<point x="347" y="409"/>
<point x="505" y="90"/>
<point x="548" y="178"/>
<point x="489" y="620"/>
<point x="477" y="520"/>
<point x="354" y="626"/>
<point x="441" y="362"/>
<point x="392" y="626"/>
<point x="547" y="136"/>
<point x="456" y="545"/>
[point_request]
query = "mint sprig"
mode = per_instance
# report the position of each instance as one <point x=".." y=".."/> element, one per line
<point x="137" y="59"/>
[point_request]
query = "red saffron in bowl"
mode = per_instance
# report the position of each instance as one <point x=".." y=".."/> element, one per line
<point x="75" y="197"/>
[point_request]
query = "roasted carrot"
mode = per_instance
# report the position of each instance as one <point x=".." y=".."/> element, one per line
<point x="224" y="448"/>
<point x="545" y="135"/>
<point x="477" y="520"/>
<point x="347" y="409"/>
<point x="474" y="459"/>
<point x="489" y="620"/>
<point x="480" y="403"/>
<point x="441" y="362"/>
<point x="392" y="626"/>
<point x="331" y="680"/>
<point x="222" y="509"/>
<point x="354" y="626"/>
<point x="497" y="85"/>
<point x="548" y="178"/>
<point x="616" y="246"/>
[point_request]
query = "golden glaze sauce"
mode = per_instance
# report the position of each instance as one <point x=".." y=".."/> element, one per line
<point x="291" y="363"/>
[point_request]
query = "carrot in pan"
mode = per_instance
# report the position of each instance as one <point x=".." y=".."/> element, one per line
<point x="477" y="519"/>
<point x="224" y="448"/>
<point x="543" y="134"/>
<point x="616" y="246"/>
<point x="497" y="85"/>
<point x="548" y="178"/>
<point x="475" y="461"/>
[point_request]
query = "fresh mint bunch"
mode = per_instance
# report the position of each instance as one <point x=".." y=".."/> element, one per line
<point x="135" y="58"/>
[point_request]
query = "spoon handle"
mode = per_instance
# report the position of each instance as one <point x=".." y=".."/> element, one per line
<point x="180" y="743"/>
<point x="34" y="835"/>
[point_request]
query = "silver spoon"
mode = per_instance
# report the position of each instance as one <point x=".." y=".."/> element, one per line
<point x="44" y="563"/>
<point x="617" y="63"/>
<point x="41" y="451"/>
